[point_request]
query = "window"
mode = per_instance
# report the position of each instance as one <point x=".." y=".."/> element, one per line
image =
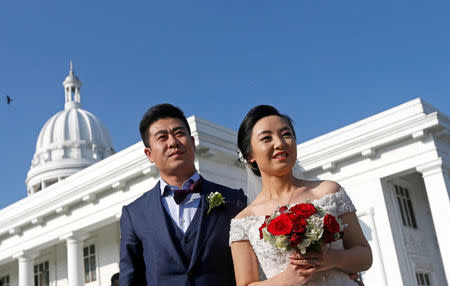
<point x="423" y="278"/>
<point x="89" y="264"/>
<point x="405" y="206"/>
<point x="41" y="274"/>
<point x="4" y="280"/>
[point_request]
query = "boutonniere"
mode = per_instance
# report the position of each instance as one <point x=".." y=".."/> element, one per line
<point x="214" y="200"/>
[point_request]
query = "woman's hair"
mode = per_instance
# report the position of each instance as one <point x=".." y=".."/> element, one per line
<point x="246" y="129"/>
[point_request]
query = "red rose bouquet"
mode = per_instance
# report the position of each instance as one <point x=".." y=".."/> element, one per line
<point x="303" y="227"/>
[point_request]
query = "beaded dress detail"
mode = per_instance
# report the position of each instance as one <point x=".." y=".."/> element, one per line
<point x="272" y="261"/>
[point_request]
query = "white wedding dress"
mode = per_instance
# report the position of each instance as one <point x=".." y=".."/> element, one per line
<point x="272" y="261"/>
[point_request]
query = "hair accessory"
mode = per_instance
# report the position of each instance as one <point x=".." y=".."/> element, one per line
<point x="241" y="157"/>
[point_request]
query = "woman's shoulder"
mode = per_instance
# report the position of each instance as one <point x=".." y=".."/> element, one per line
<point x="322" y="188"/>
<point x="244" y="213"/>
<point x="248" y="212"/>
<point x="333" y="198"/>
<point x="241" y="223"/>
<point x="327" y="187"/>
<point x="254" y="209"/>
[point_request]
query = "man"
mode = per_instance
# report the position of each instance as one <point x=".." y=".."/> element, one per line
<point x="170" y="235"/>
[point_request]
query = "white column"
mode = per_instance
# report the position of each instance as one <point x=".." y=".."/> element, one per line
<point x="77" y="94"/>
<point x="376" y="250"/>
<point x="25" y="270"/>
<point x="437" y="184"/>
<point x="74" y="261"/>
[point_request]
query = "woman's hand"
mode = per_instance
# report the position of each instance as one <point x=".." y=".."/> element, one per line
<point x="246" y="268"/>
<point x="313" y="262"/>
<point x="355" y="257"/>
<point x="292" y="277"/>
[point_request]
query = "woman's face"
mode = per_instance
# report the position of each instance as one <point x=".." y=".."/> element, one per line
<point x="273" y="146"/>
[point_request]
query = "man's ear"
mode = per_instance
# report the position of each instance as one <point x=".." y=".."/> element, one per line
<point x="148" y="153"/>
<point x="193" y="143"/>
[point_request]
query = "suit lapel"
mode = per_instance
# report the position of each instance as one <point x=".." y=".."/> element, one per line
<point x="157" y="219"/>
<point x="206" y="225"/>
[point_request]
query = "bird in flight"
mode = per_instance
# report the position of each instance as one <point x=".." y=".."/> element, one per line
<point x="8" y="98"/>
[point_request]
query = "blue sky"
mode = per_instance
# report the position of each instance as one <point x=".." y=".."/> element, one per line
<point x="325" y="63"/>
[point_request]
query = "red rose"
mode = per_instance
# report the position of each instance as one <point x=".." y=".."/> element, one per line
<point x="283" y="209"/>
<point x="303" y="210"/>
<point x="330" y="224"/>
<point x="295" y="239"/>
<point x="260" y="230"/>
<point x="299" y="224"/>
<point x="280" y="225"/>
<point x="328" y="237"/>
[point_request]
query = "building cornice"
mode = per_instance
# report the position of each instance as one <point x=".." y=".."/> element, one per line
<point x="58" y="198"/>
<point x="365" y="138"/>
<point x="210" y="135"/>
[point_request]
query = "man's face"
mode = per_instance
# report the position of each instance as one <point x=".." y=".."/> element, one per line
<point x="172" y="149"/>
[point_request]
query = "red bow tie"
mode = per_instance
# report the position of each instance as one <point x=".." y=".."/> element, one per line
<point x="180" y="195"/>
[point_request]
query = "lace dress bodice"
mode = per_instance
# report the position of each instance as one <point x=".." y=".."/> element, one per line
<point x="272" y="261"/>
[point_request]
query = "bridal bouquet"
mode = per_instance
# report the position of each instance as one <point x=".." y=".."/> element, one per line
<point x="303" y="227"/>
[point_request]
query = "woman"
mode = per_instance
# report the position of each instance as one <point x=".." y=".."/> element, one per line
<point x="267" y="142"/>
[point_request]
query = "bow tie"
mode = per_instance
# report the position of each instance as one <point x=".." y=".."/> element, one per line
<point x="180" y="195"/>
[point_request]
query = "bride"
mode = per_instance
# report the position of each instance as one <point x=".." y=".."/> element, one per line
<point x="267" y="143"/>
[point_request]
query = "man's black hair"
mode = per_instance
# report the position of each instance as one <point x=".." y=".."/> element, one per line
<point x="156" y="112"/>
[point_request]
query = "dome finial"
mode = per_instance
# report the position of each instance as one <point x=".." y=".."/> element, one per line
<point x="72" y="87"/>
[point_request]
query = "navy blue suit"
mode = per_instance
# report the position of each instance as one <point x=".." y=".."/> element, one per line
<point x="153" y="251"/>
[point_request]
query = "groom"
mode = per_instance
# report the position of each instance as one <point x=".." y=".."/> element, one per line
<point x="168" y="237"/>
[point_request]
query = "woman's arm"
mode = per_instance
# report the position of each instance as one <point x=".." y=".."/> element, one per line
<point x="245" y="263"/>
<point x="246" y="269"/>
<point x="357" y="255"/>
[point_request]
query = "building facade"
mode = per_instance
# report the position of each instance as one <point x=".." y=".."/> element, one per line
<point x="394" y="165"/>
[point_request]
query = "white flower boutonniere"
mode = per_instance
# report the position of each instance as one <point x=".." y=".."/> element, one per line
<point x="214" y="200"/>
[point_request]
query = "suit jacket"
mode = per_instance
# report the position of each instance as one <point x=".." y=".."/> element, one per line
<point x="148" y="252"/>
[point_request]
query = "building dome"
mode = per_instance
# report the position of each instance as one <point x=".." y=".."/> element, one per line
<point x="70" y="140"/>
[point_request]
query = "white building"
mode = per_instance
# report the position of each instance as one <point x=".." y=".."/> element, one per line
<point x="394" y="165"/>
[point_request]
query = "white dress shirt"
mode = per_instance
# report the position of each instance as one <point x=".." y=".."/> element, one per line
<point x="183" y="213"/>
